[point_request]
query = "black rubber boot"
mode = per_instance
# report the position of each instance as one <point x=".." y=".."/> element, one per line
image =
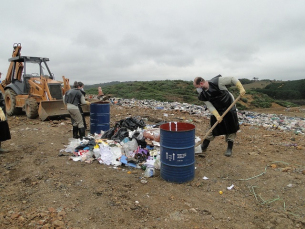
<point x="205" y="145"/>
<point x="228" y="153"/>
<point x="75" y="132"/>
<point x="82" y="132"/>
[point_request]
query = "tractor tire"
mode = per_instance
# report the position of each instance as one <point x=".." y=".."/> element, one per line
<point x="31" y="108"/>
<point x="10" y="103"/>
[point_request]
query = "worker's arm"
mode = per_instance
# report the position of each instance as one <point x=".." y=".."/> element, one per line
<point x="83" y="101"/>
<point x="230" y="80"/>
<point x="213" y="110"/>
<point x="2" y="115"/>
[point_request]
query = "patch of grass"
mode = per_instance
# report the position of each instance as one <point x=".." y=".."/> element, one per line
<point x="245" y="100"/>
<point x="286" y="103"/>
<point x="261" y="101"/>
<point x="240" y="106"/>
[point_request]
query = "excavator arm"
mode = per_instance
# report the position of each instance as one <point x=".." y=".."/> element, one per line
<point x="18" y="68"/>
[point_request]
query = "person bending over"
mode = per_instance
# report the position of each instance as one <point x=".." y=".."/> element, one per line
<point x="217" y="98"/>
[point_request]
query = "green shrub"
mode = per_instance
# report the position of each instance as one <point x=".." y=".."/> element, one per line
<point x="251" y="92"/>
<point x="245" y="100"/>
<point x="240" y="106"/>
<point x="261" y="104"/>
<point x="286" y="103"/>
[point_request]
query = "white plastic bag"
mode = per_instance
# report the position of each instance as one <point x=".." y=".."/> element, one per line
<point x="130" y="146"/>
<point x="157" y="163"/>
<point x="198" y="149"/>
<point x="73" y="143"/>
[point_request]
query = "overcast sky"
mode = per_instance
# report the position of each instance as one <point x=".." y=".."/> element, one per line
<point x="98" y="41"/>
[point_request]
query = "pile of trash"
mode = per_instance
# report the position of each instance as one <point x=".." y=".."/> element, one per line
<point x="273" y="121"/>
<point x="129" y="143"/>
<point x="167" y="106"/>
<point x="268" y="121"/>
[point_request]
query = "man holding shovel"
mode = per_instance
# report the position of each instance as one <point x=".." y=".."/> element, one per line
<point x="220" y="102"/>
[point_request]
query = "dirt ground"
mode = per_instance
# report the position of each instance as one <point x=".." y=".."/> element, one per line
<point x="40" y="189"/>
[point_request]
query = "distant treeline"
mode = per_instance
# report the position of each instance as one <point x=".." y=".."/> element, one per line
<point x="101" y="85"/>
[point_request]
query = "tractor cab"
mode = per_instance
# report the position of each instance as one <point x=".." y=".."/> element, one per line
<point x="27" y="67"/>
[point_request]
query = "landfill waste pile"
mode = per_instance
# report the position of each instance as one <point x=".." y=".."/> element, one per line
<point x="273" y="121"/>
<point x="129" y="143"/>
<point x="268" y="121"/>
<point x="132" y="143"/>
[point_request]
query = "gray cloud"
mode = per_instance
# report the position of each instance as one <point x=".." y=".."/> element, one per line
<point x="100" y="41"/>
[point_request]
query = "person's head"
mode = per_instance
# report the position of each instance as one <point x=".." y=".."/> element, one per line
<point x="199" y="82"/>
<point x="78" y="85"/>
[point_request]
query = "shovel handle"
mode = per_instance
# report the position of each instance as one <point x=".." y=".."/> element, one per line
<point x="215" y="124"/>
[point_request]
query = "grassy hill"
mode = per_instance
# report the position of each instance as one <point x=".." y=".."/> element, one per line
<point x="260" y="94"/>
<point x="256" y="84"/>
<point x="288" y="90"/>
<point x="161" y="90"/>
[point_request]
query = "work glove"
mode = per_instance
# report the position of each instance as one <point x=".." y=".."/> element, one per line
<point x="88" y="103"/>
<point x="218" y="117"/>
<point x="2" y="116"/>
<point x="242" y="91"/>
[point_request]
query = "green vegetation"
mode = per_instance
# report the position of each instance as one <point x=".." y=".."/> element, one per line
<point x="240" y="106"/>
<point x="244" y="100"/>
<point x="286" y="103"/>
<point x="161" y="90"/>
<point x="262" y="101"/>
<point x="263" y="93"/>
<point x="245" y="81"/>
<point x="287" y="90"/>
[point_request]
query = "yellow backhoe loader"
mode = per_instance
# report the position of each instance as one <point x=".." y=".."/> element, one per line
<point x="30" y="86"/>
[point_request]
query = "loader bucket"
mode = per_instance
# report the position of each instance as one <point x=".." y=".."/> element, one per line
<point x="52" y="109"/>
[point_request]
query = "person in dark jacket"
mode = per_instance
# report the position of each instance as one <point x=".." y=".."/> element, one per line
<point x="4" y="128"/>
<point x="217" y="98"/>
<point x="72" y="99"/>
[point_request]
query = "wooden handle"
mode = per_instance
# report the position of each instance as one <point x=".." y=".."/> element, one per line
<point x="215" y="124"/>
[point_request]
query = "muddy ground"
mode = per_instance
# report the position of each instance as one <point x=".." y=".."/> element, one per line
<point x="40" y="189"/>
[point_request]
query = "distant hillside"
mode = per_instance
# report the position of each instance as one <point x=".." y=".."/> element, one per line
<point x="257" y="84"/>
<point x="285" y="93"/>
<point x="162" y="90"/>
<point x="87" y="87"/>
<point x="184" y="91"/>
<point x="285" y="90"/>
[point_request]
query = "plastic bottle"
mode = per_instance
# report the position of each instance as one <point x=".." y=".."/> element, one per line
<point x="149" y="172"/>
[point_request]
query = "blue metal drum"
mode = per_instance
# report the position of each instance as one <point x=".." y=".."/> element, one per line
<point x="99" y="117"/>
<point x="177" y="151"/>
